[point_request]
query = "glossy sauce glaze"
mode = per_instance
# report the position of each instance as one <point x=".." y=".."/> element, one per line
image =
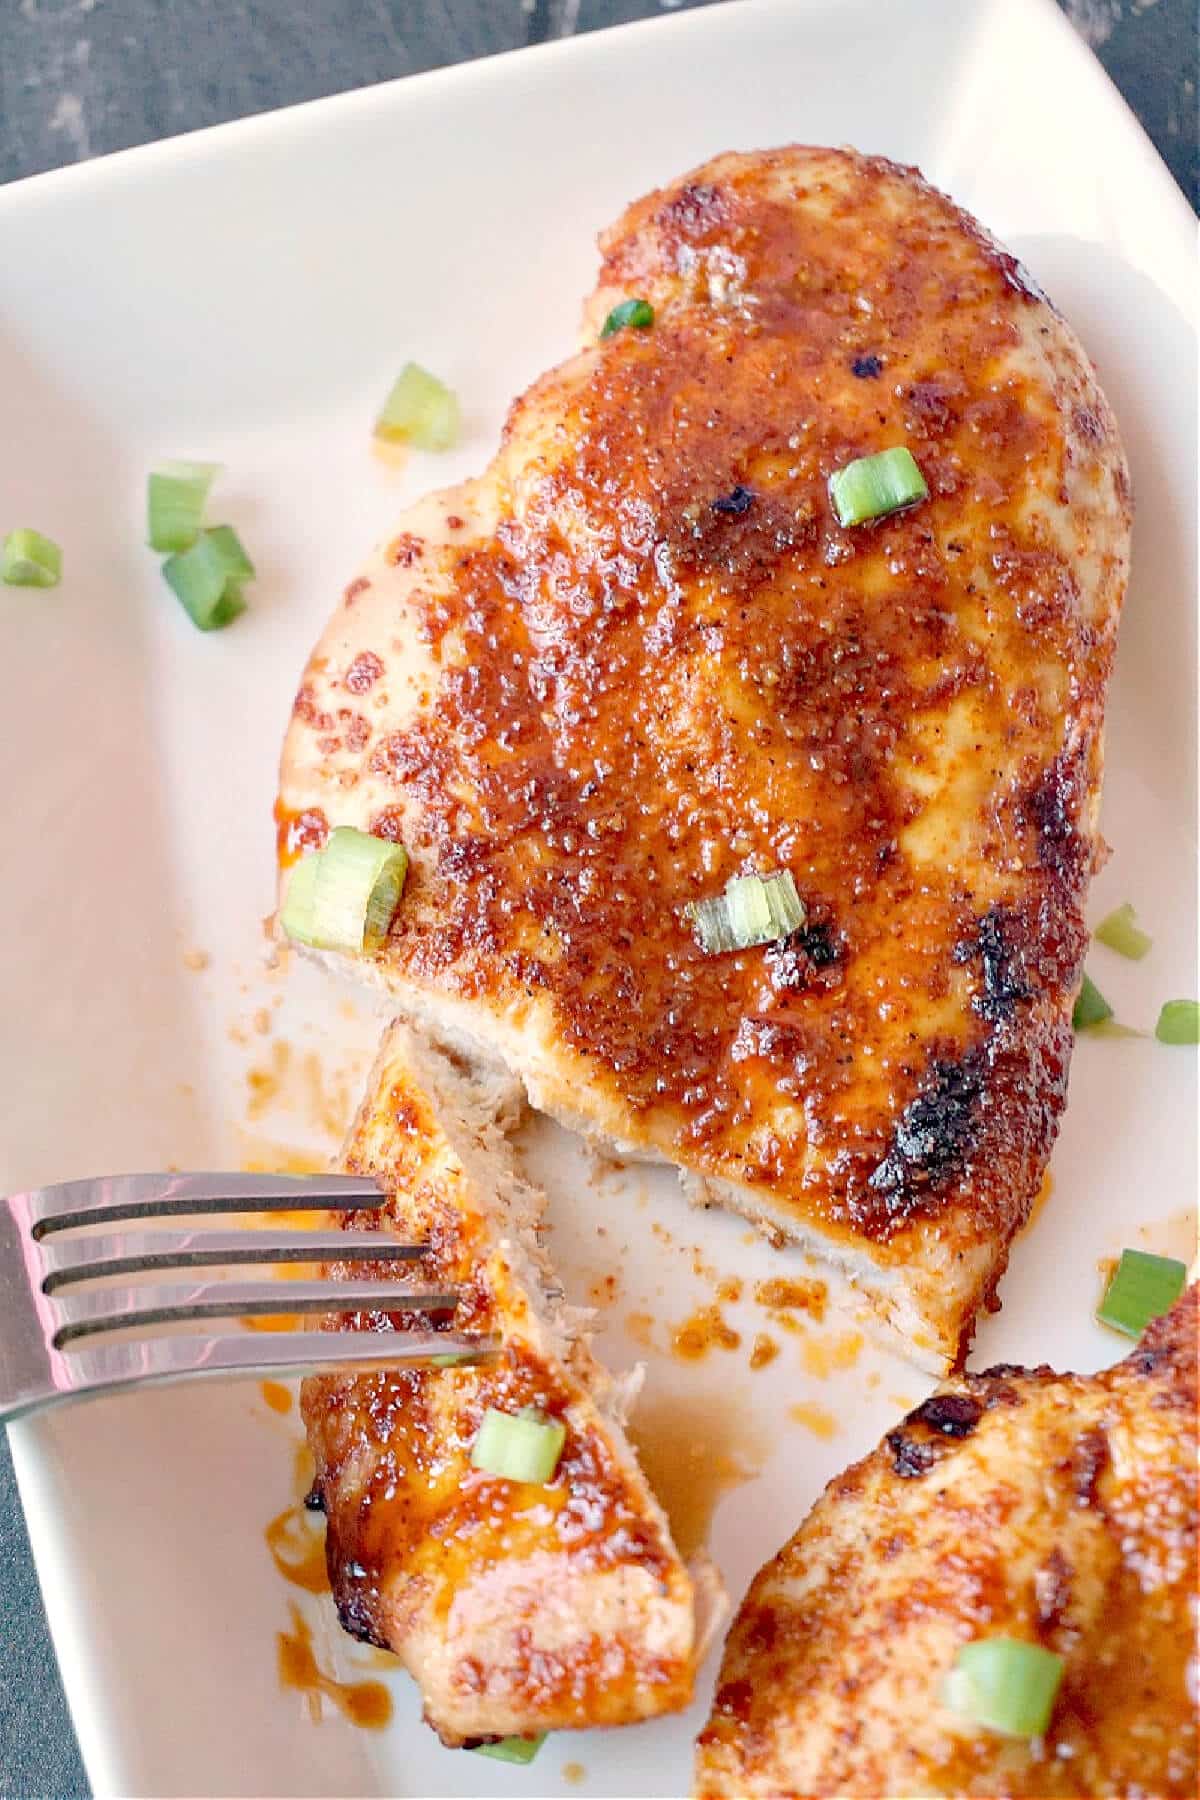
<point x="695" y="1451"/>
<point x="364" y="1703"/>
<point x="298" y="1551"/>
<point x="704" y="1330"/>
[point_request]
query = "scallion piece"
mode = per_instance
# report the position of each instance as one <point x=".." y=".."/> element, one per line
<point x="512" y="1749"/>
<point x="175" y="499"/>
<point x="226" y="544"/>
<point x="522" y="1446"/>
<point x="1122" y="933"/>
<point x="296" y="916"/>
<point x="636" y="313"/>
<point x="229" y="607"/>
<point x="1141" y="1288"/>
<point x="420" y="410"/>
<point x="1179" y="1022"/>
<point x="30" y="560"/>
<point x="358" y="886"/>
<point x="1005" y="1685"/>
<point x="874" y="486"/>
<point x="345" y="896"/>
<point x="752" y="910"/>
<point x="1091" y="1008"/>
<point x="202" y="581"/>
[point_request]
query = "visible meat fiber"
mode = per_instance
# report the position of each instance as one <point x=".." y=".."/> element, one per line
<point x="639" y="655"/>
<point x="1059" y="1509"/>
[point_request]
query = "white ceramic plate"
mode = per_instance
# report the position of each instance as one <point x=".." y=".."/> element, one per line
<point x="247" y="294"/>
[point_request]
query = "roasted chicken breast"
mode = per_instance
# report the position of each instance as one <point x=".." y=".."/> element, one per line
<point x="640" y="655"/>
<point x="518" y="1608"/>
<point x="1059" y="1509"/>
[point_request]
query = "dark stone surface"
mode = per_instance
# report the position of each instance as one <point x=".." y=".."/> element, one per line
<point x="82" y="77"/>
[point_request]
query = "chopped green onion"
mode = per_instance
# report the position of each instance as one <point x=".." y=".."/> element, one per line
<point x="345" y="896"/>
<point x="296" y="916"/>
<point x="203" y="582"/>
<point x="358" y="887"/>
<point x="228" y="546"/>
<point x="1122" y="933"/>
<point x="1091" y="1008"/>
<point x="30" y="560"/>
<point x="1005" y="1684"/>
<point x="522" y="1446"/>
<point x="420" y="410"/>
<point x="636" y="313"/>
<point x="229" y="607"/>
<point x="512" y="1749"/>
<point x="175" y="497"/>
<point x="1141" y="1288"/>
<point x="1179" y="1022"/>
<point x="873" y="486"/>
<point x="752" y="910"/>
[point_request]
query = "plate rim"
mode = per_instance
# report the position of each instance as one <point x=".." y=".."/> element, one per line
<point x="159" y="161"/>
<point x="230" y="135"/>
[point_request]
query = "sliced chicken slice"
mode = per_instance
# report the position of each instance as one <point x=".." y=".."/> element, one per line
<point x="518" y="1608"/>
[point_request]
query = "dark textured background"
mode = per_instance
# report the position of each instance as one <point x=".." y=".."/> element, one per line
<point x="82" y="77"/>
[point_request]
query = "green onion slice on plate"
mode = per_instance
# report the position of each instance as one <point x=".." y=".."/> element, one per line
<point x="523" y="1446"/>
<point x="202" y="580"/>
<point x="1142" y="1287"/>
<point x="420" y="410"/>
<point x="30" y="560"/>
<point x="227" y="545"/>
<point x="512" y="1749"/>
<point x="638" y="314"/>
<point x="176" y="494"/>
<point x="874" y="486"/>
<point x="1005" y="1684"/>
<point x="1179" y="1022"/>
<point x="1122" y="933"/>
<point x="1091" y="1008"/>
<point x="752" y="910"/>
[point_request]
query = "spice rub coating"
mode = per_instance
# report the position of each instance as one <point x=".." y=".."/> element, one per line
<point x="518" y="1608"/>
<point x="639" y="655"/>
<point x="1059" y="1509"/>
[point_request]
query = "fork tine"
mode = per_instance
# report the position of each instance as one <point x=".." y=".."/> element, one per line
<point x="88" y="1258"/>
<point x="107" y="1368"/>
<point x="112" y="1197"/>
<point x="119" y="1309"/>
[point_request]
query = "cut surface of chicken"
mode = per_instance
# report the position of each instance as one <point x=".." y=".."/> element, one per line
<point x="639" y="655"/>
<point x="518" y="1607"/>
<point x="1057" y="1509"/>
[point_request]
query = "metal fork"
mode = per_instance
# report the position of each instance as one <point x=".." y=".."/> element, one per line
<point x="52" y="1336"/>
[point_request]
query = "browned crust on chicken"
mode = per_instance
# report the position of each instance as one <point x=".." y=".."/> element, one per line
<point x="517" y="1608"/>
<point x="640" y="655"/>
<point x="1055" y="1508"/>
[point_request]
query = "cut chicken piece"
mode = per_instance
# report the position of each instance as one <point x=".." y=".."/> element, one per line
<point x="640" y="656"/>
<point x="1058" y="1509"/>
<point x="518" y="1608"/>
